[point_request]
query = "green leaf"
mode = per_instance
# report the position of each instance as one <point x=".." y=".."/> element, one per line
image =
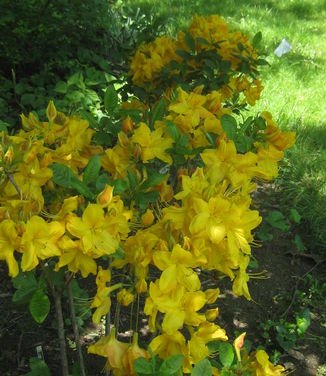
<point x="226" y="354"/>
<point x="61" y="87"/>
<point x="295" y="216"/>
<point x="154" y="179"/>
<point x="143" y="199"/>
<point x="260" y="123"/>
<point x="299" y="246"/>
<point x="119" y="253"/>
<point x="244" y="143"/>
<point x="257" y="39"/>
<point x="276" y="219"/>
<point x="26" y="284"/>
<point x="92" y="169"/>
<point x="190" y="42"/>
<point x="173" y="130"/>
<point x="65" y="177"/>
<point x="133" y="180"/>
<point x="3" y="126"/>
<point x="101" y="181"/>
<point x="111" y="100"/>
<point x="202" y="368"/>
<point x="213" y="346"/>
<point x="141" y="365"/>
<point x="39" y="306"/>
<point x="229" y="125"/>
<point x="171" y="365"/>
<point x="303" y="321"/>
<point x="158" y="112"/>
<point x="38" y="368"/>
<point x="208" y="137"/>
<point x="119" y="186"/>
<point x="75" y="79"/>
<point x="264" y="234"/>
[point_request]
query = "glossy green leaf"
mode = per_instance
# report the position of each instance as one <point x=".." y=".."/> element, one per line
<point x="39" y="306"/>
<point x="171" y="365"/>
<point x="92" y="169"/>
<point x="158" y="112"/>
<point x="202" y="368"/>
<point x="142" y="366"/>
<point x="226" y="354"/>
<point x="111" y="100"/>
<point x="154" y="179"/>
<point x="276" y="219"/>
<point x="257" y="39"/>
<point x="229" y="125"/>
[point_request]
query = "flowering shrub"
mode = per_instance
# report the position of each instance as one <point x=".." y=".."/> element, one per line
<point x="166" y="201"/>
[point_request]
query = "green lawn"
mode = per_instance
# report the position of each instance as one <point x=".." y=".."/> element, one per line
<point x="295" y="87"/>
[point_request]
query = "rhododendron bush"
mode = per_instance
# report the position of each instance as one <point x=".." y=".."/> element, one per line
<point x="165" y="197"/>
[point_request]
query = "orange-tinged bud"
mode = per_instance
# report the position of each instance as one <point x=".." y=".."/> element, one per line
<point x="9" y="156"/>
<point x="127" y="124"/>
<point x="238" y="344"/>
<point x="125" y="297"/>
<point x="137" y="151"/>
<point x="33" y="120"/>
<point x="148" y="218"/>
<point x="123" y="139"/>
<point x="26" y="123"/>
<point x="105" y="197"/>
<point x="211" y="314"/>
<point x="51" y="112"/>
<point x="1" y="151"/>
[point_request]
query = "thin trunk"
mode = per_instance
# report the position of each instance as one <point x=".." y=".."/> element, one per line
<point x="76" y="331"/>
<point x="61" y="334"/>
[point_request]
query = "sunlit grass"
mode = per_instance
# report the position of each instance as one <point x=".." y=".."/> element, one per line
<point x="294" y="85"/>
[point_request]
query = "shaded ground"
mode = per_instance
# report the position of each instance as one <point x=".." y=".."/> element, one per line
<point x="272" y="299"/>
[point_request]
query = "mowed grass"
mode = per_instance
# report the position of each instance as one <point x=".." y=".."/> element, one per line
<point x="294" y="87"/>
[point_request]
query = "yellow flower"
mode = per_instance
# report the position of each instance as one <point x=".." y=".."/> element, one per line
<point x="8" y="243"/>
<point x="153" y="144"/>
<point x="176" y="267"/>
<point x="110" y="348"/>
<point x="40" y="241"/>
<point x="75" y="257"/>
<point x="263" y="367"/>
<point x="125" y="297"/>
<point x="93" y="232"/>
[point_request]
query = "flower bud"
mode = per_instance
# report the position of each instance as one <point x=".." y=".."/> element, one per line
<point x="9" y="156"/>
<point x="123" y="139"/>
<point x="238" y="344"/>
<point x="105" y="197"/>
<point x="148" y="218"/>
<point x="211" y="314"/>
<point x="51" y="111"/>
<point x="127" y="124"/>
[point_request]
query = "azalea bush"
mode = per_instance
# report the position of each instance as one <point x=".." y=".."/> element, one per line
<point x="151" y="200"/>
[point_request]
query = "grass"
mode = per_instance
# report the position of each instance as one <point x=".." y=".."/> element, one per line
<point x="294" y="87"/>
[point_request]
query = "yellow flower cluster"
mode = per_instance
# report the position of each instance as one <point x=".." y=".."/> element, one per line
<point x="203" y="220"/>
<point x="39" y="230"/>
<point x="207" y="33"/>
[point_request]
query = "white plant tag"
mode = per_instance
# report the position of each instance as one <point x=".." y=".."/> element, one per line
<point x="283" y="48"/>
